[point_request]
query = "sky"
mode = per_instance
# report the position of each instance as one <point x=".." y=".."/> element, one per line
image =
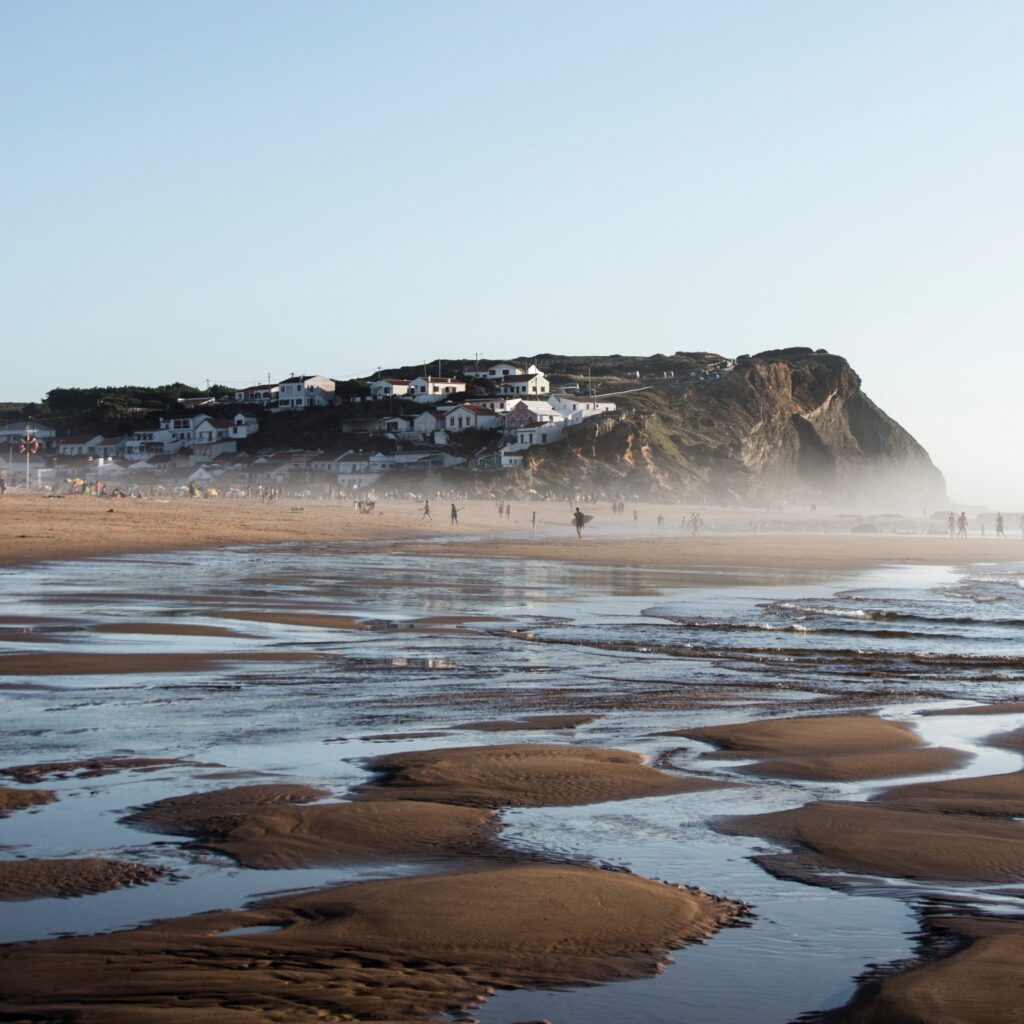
<point x="224" y="190"/>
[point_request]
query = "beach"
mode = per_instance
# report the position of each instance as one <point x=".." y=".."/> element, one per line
<point x="80" y="526"/>
<point x="508" y="776"/>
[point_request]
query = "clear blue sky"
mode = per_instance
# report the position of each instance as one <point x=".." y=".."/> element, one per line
<point x="224" y="190"/>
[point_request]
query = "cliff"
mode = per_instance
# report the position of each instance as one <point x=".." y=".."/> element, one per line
<point x="791" y="424"/>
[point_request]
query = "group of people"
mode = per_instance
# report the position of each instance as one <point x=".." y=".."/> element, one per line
<point x="957" y="525"/>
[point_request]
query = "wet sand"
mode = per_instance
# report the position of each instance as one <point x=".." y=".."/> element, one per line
<point x="401" y="949"/>
<point x="83" y="663"/>
<point x="35" y="878"/>
<point x="828" y="748"/>
<point x="877" y="840"/>
<point x="997" y="795"/>
<point x="523" y="775"/>
<point x="529" y="723"/>
<point x="436" y="804"/>
<point x="268" y="826"/>
<point x="90" y="768"/>
<point x="12" y="799"/>
<point x="980" y="982"/>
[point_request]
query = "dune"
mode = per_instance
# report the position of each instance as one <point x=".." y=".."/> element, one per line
<point x="522" y="775"/>
<point x="398" y="950"/>
<point x="276" y="826"/>
<point x="35" y="878"/>
<point x="12" y="799"/>
<point x="979" y="983"/>
<point x="877" y="840"/>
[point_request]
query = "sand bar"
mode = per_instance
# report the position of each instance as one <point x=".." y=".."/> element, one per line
<point x="879" y="840"/>
<point x="92" y="767"/>
<point x="980" y="983"/>
<point x="12" y="799"/>
<point x="996" y="795"/>
<point x="273" y="826"/>
<point x="84" y="663"/>
<point x="828" y="748"/>
<point x="32" y="879"/>
<point x="401" y="949"/>
<point x="530" y="722"/>
<point x="522" y="775"/>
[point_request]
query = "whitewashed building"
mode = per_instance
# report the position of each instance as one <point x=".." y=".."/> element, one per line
<point x="496" y="371"/>
<point x="390" y="387"/>
<point x="531" y="384"/>
<point x="304" y="392"/>
<point x="471" y="417"/>
<point x="434" y="389"/>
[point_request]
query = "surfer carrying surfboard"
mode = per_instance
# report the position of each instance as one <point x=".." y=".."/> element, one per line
<point x="579" y="520"/>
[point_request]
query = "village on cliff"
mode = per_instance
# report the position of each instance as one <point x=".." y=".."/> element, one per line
<point x="387" y="424"/>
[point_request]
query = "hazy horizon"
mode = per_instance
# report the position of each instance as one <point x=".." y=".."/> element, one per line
<point x="227" y="190"/>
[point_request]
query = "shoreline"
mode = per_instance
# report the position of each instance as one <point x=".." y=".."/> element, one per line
<point x="45" y="529"/>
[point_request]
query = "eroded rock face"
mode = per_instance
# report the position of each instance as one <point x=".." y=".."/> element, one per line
<point x="789" y="423"/>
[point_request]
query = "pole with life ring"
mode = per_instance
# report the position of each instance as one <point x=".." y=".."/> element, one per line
<point x="28" y="446"/>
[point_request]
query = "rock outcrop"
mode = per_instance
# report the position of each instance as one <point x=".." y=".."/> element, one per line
<point x="790" y="424"/>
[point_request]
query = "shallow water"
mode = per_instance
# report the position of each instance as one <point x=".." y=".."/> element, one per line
<point x="649" y="650"/>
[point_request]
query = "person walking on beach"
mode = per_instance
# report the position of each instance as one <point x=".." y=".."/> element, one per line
<point x="508" y="513"/>
<point x="426" y="509"/>
<point x="533" y="520"/>
<point x="951" y="523"/>
<point x="961" y="525"/>
<point x="501" y="509"/>
<point x="455" y="515"/>
<point x="1000" y="526"/>
<point x="579" y="520"/>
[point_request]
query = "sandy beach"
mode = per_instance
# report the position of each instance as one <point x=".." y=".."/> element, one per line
<point x="79" y="526"/>
<point x="292" y="707"/>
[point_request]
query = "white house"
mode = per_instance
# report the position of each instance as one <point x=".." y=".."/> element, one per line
<point x="579" y="407"/>
<point x="396" y="425"/>
<point x="81" y="444"/>
<point x="259" y="394"/>
<point x="304" y="392"/>
<point x="208" y="436"/>
<point x="471" y="417"/>
<point x="354" y="470"/>
<point x="428" y="421"/>
<point x="244" y="425"/>
<point x="532" y="383"/>
<point x="541" y="433"/>
<point x="11" y="433"/>
<point x="497" y="371"/>
<point x="433" y="389"/>
<point x="388" y="387"/>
